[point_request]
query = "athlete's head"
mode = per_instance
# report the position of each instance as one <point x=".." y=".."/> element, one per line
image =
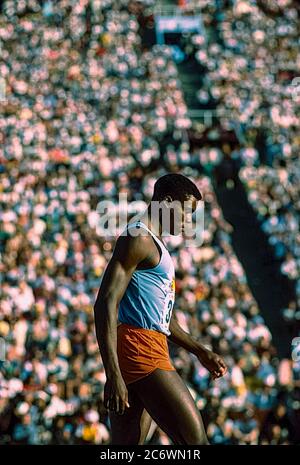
<point x="178" y="197"/>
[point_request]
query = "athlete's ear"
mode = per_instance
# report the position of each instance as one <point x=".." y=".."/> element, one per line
<point x="168" y="199"/>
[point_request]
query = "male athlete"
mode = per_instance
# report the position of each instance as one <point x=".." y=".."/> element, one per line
<point x="133" y="319"/>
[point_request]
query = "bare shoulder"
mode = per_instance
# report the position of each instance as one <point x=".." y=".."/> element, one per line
<point x="132" y="246"/>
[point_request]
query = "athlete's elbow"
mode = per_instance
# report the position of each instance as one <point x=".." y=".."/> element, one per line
<point x="105" y="305"/>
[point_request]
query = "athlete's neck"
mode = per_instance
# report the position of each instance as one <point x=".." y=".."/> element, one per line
<point x="154" y="225"/>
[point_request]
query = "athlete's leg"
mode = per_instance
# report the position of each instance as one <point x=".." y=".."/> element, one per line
<point x="132" y="427"/>
<point x="169" y="402"/>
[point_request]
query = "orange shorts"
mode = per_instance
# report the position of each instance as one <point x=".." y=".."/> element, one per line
<point x="141" y="351"/>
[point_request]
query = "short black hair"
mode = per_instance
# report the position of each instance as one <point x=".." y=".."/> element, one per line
<point x="177" y="186"/>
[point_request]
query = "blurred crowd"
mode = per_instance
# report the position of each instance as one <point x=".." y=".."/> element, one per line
<point x="84" y="112"/>
<point x="251" y="54"/>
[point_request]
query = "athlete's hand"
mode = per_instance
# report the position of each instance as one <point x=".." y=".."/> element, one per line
<point x="213" y="363"/>
<point x="116" y="395"/>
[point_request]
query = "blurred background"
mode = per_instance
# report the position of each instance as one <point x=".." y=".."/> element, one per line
<point x="101" y="97"/>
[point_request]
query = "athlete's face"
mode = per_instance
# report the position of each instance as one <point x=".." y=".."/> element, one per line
<point x="180" y="214"/>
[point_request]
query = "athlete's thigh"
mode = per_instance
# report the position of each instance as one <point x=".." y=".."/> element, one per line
<point x="132" y="427"/>
<point x="170" y="404"/>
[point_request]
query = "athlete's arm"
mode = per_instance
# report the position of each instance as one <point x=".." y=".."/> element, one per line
<point x="211" y="361"/>
<point x="128" y="252"/>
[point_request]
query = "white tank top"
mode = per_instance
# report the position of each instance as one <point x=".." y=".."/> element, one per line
<point x="149" y="298"/>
